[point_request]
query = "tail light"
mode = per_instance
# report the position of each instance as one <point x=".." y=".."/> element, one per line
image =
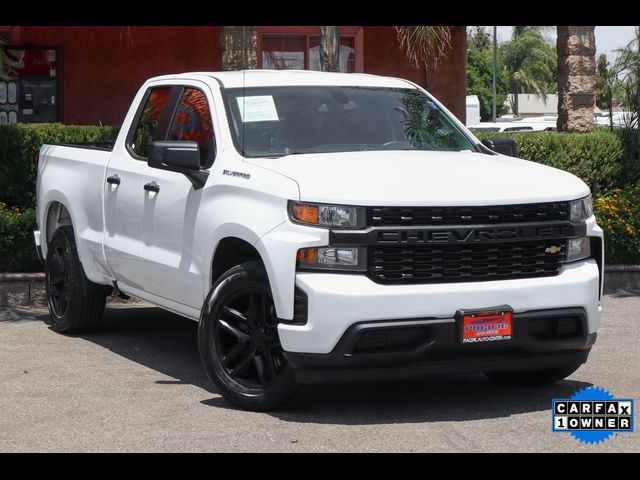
<point x="36" y="158"/>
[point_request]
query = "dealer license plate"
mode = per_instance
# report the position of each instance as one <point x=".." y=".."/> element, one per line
<point x="485" y="325"/>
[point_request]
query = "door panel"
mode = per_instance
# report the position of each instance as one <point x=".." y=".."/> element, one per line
<point x="169" y="215"/>
<point x="123" y="218"/>
<point x="124" y="190"/>
<point x="168" y="239"/>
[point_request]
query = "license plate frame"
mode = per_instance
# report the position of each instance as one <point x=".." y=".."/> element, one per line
<point x="485" y="325"/>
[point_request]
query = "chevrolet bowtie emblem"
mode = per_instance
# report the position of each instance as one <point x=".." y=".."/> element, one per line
<point x="552" y="249"/>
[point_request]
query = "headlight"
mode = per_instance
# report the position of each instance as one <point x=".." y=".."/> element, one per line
<point x="332" y="258"/>
<point x="322" y="215"/>
<point x="578" y="248"/>
<point x="580" y="209"/>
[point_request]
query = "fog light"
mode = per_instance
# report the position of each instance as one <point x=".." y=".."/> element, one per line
<point x="333" y="258"/>
<point x="578" y="248"/>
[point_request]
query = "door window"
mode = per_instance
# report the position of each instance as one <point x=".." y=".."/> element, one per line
<point x="146" y="129"/>
<point x="192" y="121"/>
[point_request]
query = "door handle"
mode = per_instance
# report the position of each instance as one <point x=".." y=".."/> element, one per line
<point x="152" y="187"/>
<point x="113" y="180"/>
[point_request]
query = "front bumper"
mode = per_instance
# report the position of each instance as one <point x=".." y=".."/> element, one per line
<point x="338" y="301"/>
<point x="405" y="349"/>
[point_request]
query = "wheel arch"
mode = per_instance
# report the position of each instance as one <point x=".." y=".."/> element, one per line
<point x="230" y="252"/>
<point x="56" y="215"/>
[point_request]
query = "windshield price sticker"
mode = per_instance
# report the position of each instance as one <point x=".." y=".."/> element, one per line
<point x="257" y="109"/>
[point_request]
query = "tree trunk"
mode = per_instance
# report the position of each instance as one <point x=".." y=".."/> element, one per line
<point x="576" y="48"/>
<point x="239" y="48"/>
<point x="330" y="49"/>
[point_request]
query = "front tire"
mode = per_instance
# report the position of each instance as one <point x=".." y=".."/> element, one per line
<point x="76" y="305"/>
<point x="238" y="341"/>
<point x="533" y="377"/>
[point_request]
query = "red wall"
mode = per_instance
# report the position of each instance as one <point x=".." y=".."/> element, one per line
<point x="447" y="80"/>
<point x="382" y="55"/>
<point x="101" y="68"/>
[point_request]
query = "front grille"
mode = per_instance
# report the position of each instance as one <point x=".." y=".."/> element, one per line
<point x="464" y="263"/>
<point x="422" y="216"/>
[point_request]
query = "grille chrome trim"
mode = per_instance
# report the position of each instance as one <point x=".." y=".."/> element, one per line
<point x="458" y="234"/>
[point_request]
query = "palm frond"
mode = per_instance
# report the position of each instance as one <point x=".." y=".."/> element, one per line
<point x="423" y="42"/>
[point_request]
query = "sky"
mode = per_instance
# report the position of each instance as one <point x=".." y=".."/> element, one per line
<point x="607" y="38"/>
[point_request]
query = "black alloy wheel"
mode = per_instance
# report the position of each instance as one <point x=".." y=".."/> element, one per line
<point x="76" y="305"/>
<point x="58" y="279"/>
<point x="246" y="336"/>
<point x="239" y="343"/>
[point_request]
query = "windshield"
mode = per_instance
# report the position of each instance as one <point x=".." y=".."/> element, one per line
<point x="278" y="121"/>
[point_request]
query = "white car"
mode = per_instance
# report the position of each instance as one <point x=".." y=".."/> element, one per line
<point x="322" y="227"/>
<point x="516" y="126"/>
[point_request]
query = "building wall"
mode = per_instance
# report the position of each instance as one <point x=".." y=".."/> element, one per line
<point x="446" y="78"/>
<point x="101" y="68"/>
<point x="382" y="56"/>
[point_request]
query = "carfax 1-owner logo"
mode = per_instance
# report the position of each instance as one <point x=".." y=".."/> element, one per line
<point x="592" y="415"/>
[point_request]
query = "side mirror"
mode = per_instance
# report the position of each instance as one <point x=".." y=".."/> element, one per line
<point x="181" y="157"/>
<point x="505" y="146"/>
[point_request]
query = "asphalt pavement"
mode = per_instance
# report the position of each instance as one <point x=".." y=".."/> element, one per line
<point x="137" y="385"/>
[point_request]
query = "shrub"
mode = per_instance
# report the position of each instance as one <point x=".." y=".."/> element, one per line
<point x="600" y="158"/>
<point x="631" y="164"/>
<point x="618" y="213"/>
<point x="18" y="146"/>
<point x="17" y="250"/>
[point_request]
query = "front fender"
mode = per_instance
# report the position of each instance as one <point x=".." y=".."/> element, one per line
<point x="278" y="249"/>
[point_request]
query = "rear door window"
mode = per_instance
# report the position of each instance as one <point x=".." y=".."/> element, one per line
<point x="146" y="129"/>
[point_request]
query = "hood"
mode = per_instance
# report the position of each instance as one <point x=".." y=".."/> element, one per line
<point x="424" y="178"/>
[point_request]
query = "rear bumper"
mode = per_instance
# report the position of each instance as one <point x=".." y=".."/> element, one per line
<point x="405" y="349"/>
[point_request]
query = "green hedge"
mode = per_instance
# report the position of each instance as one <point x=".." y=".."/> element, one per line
<point x="618" y="213"/>
<point x="17" y="250"/>
<point x="603" y="159"/>
<point x="18" y="147"/>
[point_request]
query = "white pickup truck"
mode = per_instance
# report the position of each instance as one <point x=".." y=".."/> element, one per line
<point x="322" y="227"/>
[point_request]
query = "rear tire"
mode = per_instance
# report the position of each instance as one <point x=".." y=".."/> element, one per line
<point x="76" y="305"/>
<point x="239" y="344"/>
<point x="533" y="377"/>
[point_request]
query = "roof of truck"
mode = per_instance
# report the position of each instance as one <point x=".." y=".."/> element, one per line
<point x="262" y="78"/>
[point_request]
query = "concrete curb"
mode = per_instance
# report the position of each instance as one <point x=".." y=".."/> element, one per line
<point x="621" y="268"/>
<point x="618" y="278"/>
<point x="39" y="276"/>
<point x="21" y="277"/>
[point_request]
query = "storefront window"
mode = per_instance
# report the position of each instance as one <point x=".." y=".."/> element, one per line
<point x="301" y="50"/>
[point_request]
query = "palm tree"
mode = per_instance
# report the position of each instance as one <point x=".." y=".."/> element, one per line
<point x="424" y="42"/>
<point x="576" y="47"/>
<point x="329" y="49"/>
<point x="239" y="48"/>
<point x="529" y="61"/>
